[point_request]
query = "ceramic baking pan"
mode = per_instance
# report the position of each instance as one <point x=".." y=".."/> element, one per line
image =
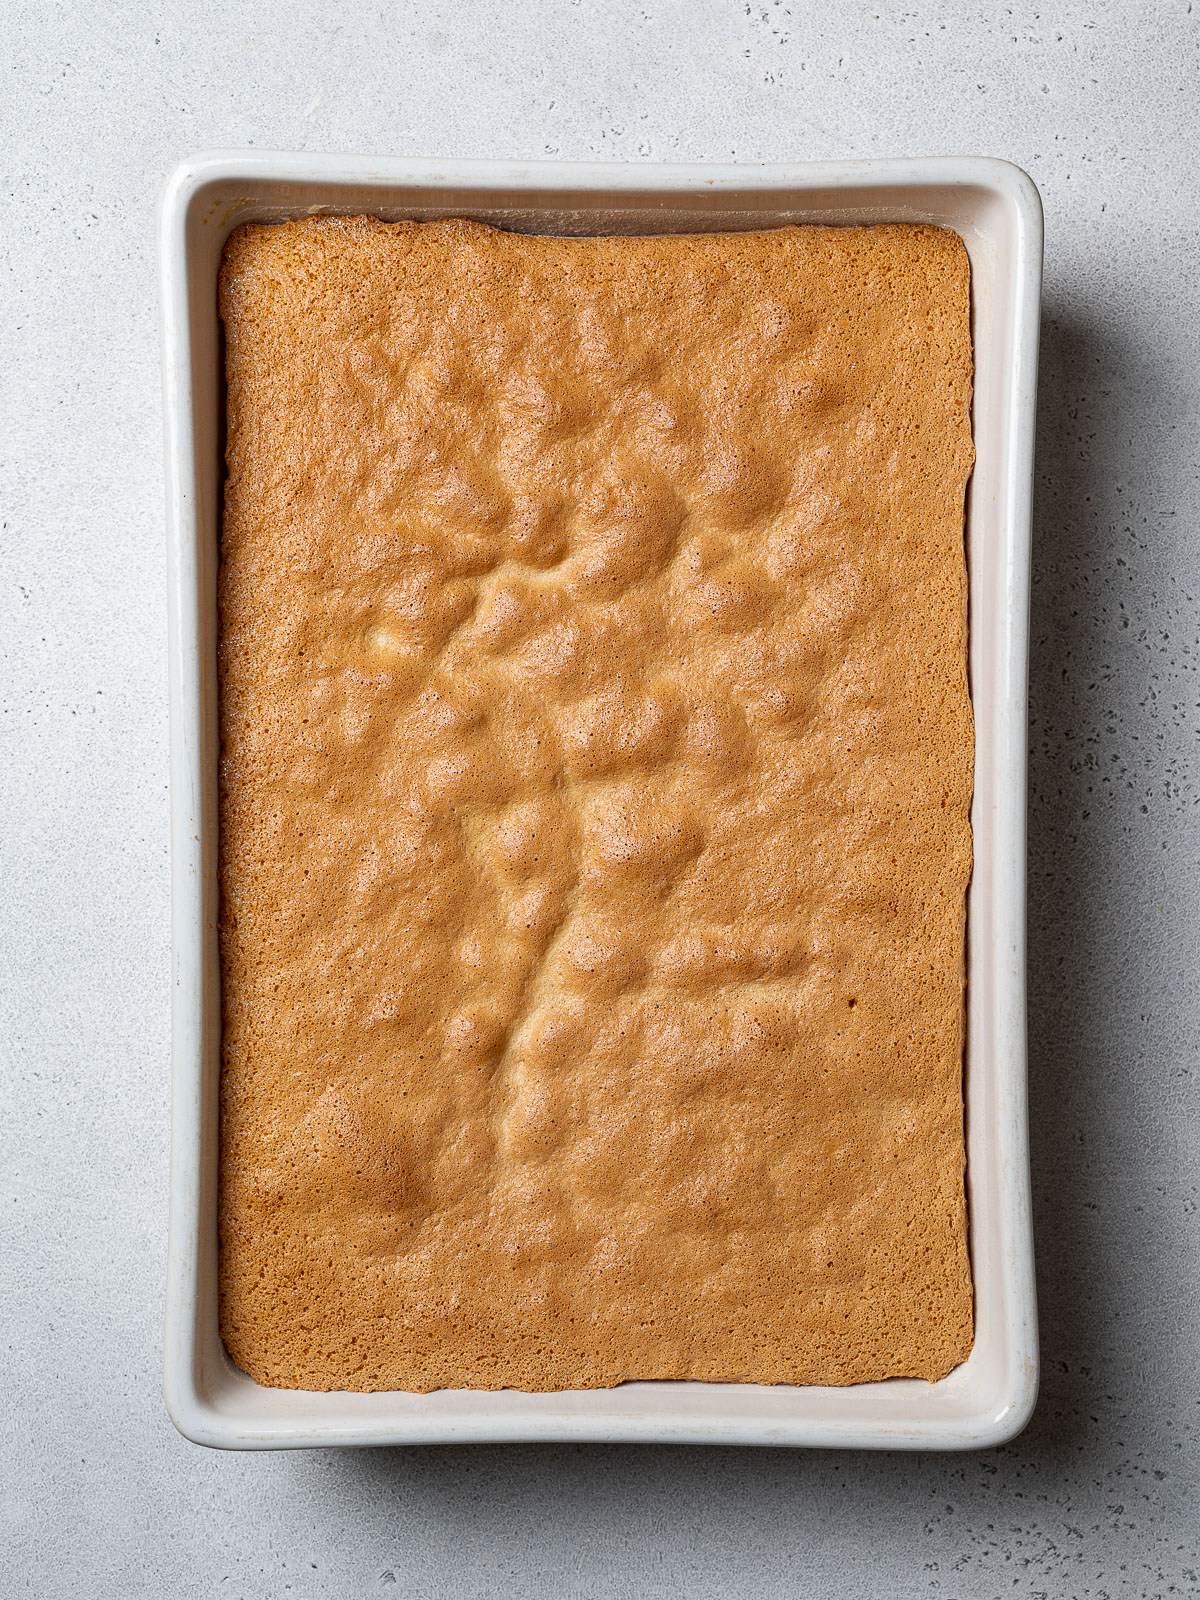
<point x="995" y="208"/>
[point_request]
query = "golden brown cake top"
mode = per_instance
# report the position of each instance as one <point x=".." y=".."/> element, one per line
<point x="596" y="765"/>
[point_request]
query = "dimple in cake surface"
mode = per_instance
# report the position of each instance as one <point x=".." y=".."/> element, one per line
<point x="596" y="766"/>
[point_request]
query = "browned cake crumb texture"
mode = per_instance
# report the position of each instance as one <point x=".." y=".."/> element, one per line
<point x="596" y="761"/>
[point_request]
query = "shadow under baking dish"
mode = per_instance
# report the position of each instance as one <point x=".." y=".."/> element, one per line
<point x="995" y="209"/>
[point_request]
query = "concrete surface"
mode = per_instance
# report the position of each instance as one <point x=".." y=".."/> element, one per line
<point x="1099" y="102"/>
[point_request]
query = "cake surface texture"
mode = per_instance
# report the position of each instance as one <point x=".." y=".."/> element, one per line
<point x="596" y="762"/>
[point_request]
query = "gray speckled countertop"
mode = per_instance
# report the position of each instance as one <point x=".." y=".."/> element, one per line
<point x="1101" y="1495"/>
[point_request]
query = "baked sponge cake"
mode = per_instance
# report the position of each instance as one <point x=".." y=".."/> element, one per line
<point x="596" y="762"/>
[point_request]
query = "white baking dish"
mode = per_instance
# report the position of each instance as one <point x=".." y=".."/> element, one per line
<point x="996" y="210"/>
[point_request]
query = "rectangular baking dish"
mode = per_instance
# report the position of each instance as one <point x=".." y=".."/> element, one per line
<point x="996" y="210"/>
